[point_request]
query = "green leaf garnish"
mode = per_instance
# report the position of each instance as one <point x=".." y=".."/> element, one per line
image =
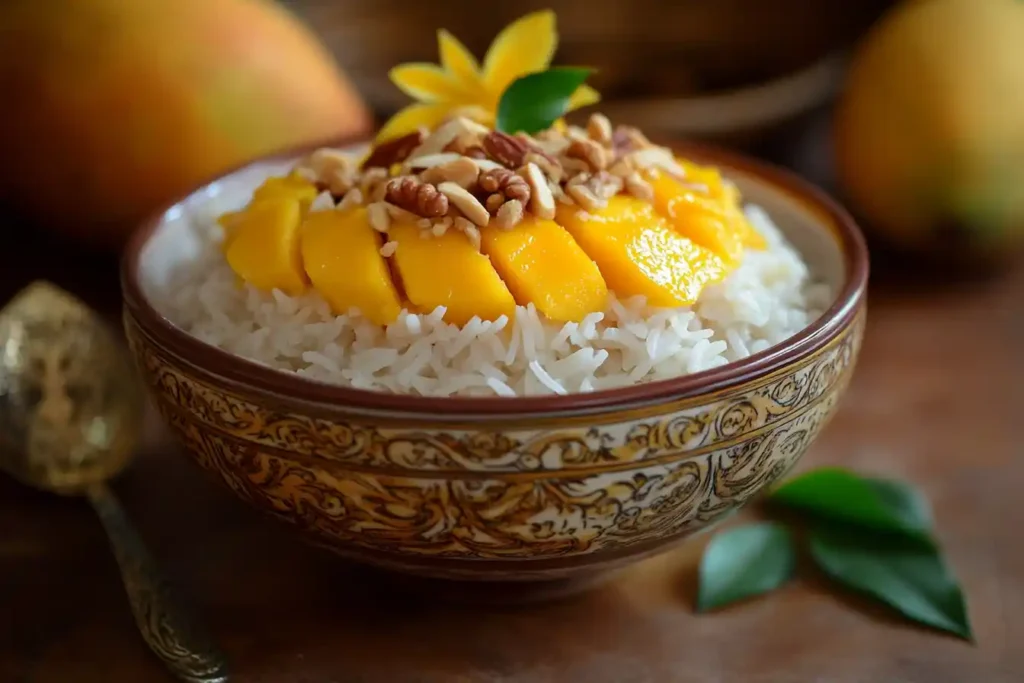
<point x="535" y="101"/>
<point x="908" y="577"/>
<point x="842" y="496"/>
<point x="743" y="562"/>
<point x="871" y="535"/>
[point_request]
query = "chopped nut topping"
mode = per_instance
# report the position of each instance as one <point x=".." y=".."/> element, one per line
<point x="595" y="156"/>
<point x="462" y="175"/>
<point x="441" y="227"/>
<point x="505" y="149"/>
<point x="638" y="187"/>
<point x="432" y="160"/>
<point x="506" y="184"/>
<point x="599" y="128"/>
<point x="417" y="197"/>
<point x="465" y="202"/>
<point x="467" y="228"/>
<point x="552" y="169"/>
<point x="377" y="214"/>
<point x="585" y="197"/>
<point x="386" y="154"/>
<point x="389" y="249"/>
<point x="509" y="215"/>
<point x="542" y="203"/>
<point x="373" y="184"/>
<point x="445" y="133"/>
<point x="494" y="202"/>
<point x="352" y="199"/>
<point x="462" y="171"/>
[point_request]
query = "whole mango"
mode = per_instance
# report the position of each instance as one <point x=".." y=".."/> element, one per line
<point x="929" y="132"/>
<point x="113" y="107"/>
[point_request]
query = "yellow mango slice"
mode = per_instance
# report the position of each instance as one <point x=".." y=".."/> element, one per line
<point x="264" y="246"/>
<point x="341" y="253"/>
<point x="752" y="239"/>
<point x="639" y="254"/>
<point x="448" y="271"/>
<point x="291" y="186"/>
<point x="542" y="264"/>
<point x="699" y="216"/>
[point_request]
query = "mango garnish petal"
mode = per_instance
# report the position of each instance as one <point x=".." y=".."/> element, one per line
<point x="525" y="46"/>
<point x="426" y="83"/>
<point x="412" y="117"/>
<point x="459" y="61"/>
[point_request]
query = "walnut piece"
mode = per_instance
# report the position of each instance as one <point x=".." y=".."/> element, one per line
<point x="422" y="199"/>
<point x="393" y="151"/>
<point x="505" y="149"/>
<point x="508" y="184"/>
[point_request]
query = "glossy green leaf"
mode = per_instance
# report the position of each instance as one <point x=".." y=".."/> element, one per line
<point x="840" y="495"/>
<point x="909" y="577"/>
<point x="535" y="101"/>
<point x="743" y="562"/>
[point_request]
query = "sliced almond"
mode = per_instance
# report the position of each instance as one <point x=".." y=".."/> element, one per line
<point x="599" y="128"/>
<point x="323" y="202"/>
<point x="510" y="214"/>
<point x="397" y="213"/>
<point x="352" y="199"/>
<point x="585" y="197"/>
<point x="552" y="169"/>
<point x="389" y="249"/>
<point x="432" y="160"/>
<point x="638" y="187"/>
<point x="445" y="134"/>
<point x="660" y="158"/>
<point x="542" y="202"/>
<point x="462" y="171"/>
<point x="377" y="214"/>
<point x="465" y="202"/>
<point x="486" y="165"/>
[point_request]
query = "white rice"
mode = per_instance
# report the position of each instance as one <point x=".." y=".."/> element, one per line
<point x="765" y="300"/>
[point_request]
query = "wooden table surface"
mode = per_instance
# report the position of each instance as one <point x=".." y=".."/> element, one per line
<point x="935" y="400"/>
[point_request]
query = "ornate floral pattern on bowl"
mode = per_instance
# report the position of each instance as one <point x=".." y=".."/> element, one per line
<point x="513" y="489"/>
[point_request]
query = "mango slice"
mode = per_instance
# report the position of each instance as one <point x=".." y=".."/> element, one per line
<point x="699" y="216"/>
<point x="264" y="246"/>
<point x="639" y="254"/>
<point x="342" y="257"/>
<point x="542" y="264"/>
<point x="291" y="186"/>
<point x="448" y="271"/>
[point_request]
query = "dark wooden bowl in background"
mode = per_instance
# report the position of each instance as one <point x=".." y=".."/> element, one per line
<point x="714" y="69"/>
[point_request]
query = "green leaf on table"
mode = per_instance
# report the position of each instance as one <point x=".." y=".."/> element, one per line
<point x="880" y="504"/>
<point x="743" y="562"/>
<point x="535" y="101"/>
<point x="907" y="576"/>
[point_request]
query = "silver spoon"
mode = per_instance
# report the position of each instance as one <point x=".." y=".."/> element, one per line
<point x="70" y="416"/>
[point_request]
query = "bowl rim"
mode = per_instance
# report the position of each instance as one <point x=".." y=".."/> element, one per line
<point x="254" y="377"/>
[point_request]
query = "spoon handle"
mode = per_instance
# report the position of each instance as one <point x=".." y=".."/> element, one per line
<point x="166" y="627"/>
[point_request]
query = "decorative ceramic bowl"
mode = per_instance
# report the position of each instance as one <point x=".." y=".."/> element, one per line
<point x="496" y="488"/>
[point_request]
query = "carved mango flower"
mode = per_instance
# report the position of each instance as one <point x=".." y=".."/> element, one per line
<point x="460" y="85"/>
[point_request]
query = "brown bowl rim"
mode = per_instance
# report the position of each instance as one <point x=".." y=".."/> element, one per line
<point x="218" y="363"/>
